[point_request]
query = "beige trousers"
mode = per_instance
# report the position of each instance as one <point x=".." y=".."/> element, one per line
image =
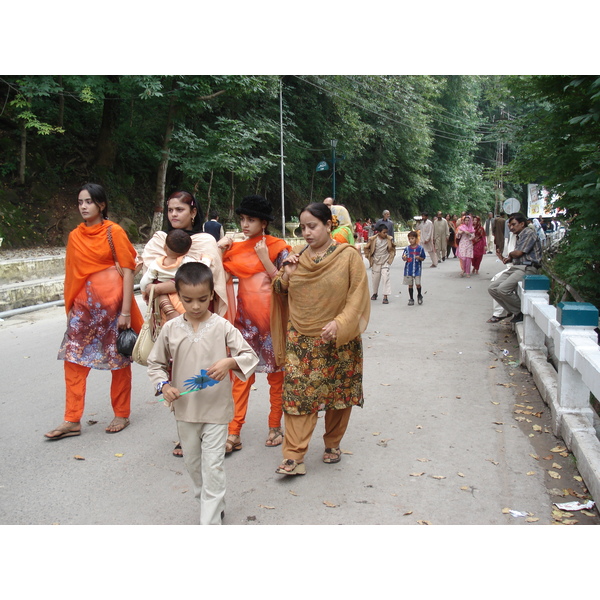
<point x="299" y="430"/>
<point x="203" y="446"/>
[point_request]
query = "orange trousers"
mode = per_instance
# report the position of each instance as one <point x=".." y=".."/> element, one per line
<point x="241" y="393"/>
<point x="299" y="430"/>
<point x="75" y="381"/>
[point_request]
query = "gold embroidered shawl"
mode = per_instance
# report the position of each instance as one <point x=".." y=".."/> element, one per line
<point x="334" y="288"/>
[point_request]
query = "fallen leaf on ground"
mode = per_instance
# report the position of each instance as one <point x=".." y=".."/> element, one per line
<point x="438" y="476"/>
<point x="77" y="457"/>
<point x="558" y="449"/>
<point x="554" y="474"/>
<point x="549" y="457"/>
<point x="492" y="461"/>
<point x="556" y="466"/>
<point x="531" y="519"/>
<point x="410" y="512"/>
<point x="466" y="488"/>
<point x="376" y="433"/>
<point x="292" y="493"/>
<point x="118" y="455"/>
<point x="460" y="474"/>
<point x="577" y="478"/>
<point x="346" y="452"/>
<point x="535" y="456"/>
<point x="531" y="473"/>
<point x="386" y="384"/>
<point x="424" y="522"/>
<point x="423" y="459"/>
<point x="496" y="403"/>
<point x="417" y="474"/>
<point x="505" y="511"/>
<point x="536" y="428"/>
<point x="264" y="506"/>
<point x="330" y="504"/>
<point x="570" y="522"/>
<point x="90" y="422"/>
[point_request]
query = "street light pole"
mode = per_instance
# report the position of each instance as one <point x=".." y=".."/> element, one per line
<point x="333" y="146"/>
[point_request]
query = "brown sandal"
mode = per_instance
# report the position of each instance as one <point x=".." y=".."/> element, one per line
<point x="275" y="434"/>
<point x="65" y="429"/>
<point x="296" y="468"/>
<point x="119" y="422"/>
<point x="336" y="452"/>
<point x="233" y="443"/>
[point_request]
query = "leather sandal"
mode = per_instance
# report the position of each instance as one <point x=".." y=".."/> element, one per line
<point x="233" y="443"/>
<point x="275" y="437"/>
<point x="335" y="451"/>
<point x="293" y="468"/>
<point x="65" y="429"/>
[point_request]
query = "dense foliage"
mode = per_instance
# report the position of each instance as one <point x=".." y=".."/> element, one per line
<point x="557" y="136"/>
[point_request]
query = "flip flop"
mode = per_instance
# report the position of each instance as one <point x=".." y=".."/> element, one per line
<point x="124" y="421"/>
<point x="63" y="432"/>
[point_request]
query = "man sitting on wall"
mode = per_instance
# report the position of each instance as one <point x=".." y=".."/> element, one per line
<point x="526" y="259"/>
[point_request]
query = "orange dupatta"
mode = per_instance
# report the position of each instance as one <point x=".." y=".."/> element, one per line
<point x="88" y="252"/>
<point x="242" y="261"/>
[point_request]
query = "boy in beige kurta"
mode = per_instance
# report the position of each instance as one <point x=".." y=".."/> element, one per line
<point x="195" y="346"/>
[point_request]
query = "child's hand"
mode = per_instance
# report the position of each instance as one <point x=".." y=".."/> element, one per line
<point x="221" y="368"/>
<point x="170" y="393"/>
<point x="262" y="250"/>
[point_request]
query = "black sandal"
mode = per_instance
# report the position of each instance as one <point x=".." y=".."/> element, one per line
<point x="175" y="453"/>
<point x="495" y="319"/>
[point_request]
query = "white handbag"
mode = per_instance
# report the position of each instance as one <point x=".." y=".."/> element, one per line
<point x="148" y="333"/>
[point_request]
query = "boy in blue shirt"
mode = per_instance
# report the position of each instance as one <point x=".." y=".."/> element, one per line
<point x="413" y="256"/>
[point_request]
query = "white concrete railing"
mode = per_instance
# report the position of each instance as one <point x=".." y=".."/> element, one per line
<point x="565" y="390"/>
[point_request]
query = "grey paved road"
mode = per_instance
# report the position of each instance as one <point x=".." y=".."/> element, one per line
<point x="436" y="441"/>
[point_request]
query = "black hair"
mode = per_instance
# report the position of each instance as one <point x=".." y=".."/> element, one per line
<point x="194" y="273"/>
<point x="178" y="241"/>
<point x="413" y="234"/>
<point x="519" y="217"/>
<point x="188" y="199"/>
<point x="381" y="227"/>
<point x="98" y="196"/>
<point x="320" y="211"/>
<point x="213" y="214"/>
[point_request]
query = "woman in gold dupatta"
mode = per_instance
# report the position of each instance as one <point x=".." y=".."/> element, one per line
<point x="319" y="309"/>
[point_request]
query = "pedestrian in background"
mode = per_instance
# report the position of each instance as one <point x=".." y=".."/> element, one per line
<point x="213" y="226"/>
<point x="413" y="256"/>
<point x="380" y="251"/>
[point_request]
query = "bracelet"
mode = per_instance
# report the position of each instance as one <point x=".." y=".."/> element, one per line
<point x="124" y="315"/>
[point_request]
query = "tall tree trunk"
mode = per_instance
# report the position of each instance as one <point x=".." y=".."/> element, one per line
<point x="232" y="204"/>
<point x="106" y="147"/>
<point x="23" y="158"/>
<point x="61" y="103"/>
<point x="161" y="178"/>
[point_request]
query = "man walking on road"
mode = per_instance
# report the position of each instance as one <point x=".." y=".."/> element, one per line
<point x="426" y="229"/>
<point x="441" y="233"/>
<point x="498" y="230"/>
<point x="489" y="228"/>
<point x="526" y="259"/>
<point x="386" y="221"/>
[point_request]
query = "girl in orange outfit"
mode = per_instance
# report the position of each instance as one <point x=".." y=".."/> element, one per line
<point x="99" y="302"/>
<point x="255" y="262"/>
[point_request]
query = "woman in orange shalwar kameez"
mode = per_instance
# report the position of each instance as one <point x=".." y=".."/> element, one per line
<point x="255" y="262"/>
<point x="99" y="302"/>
